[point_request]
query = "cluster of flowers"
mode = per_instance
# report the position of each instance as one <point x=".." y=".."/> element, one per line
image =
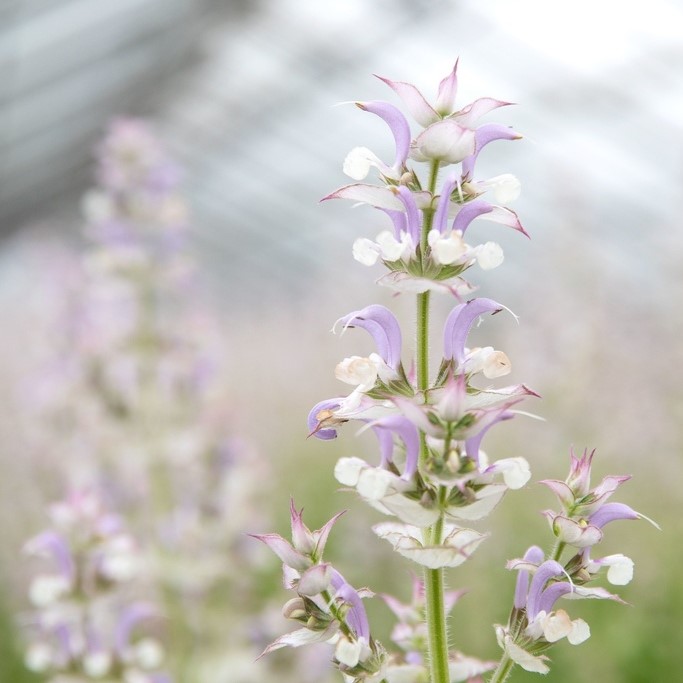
<point x="534" y="624"/>
<point x="87" y="626"/>
<point x="432" y="474"/>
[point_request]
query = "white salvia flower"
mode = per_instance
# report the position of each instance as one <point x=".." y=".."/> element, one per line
<point x="48" y="588"/>
<point x="581" y="631"/>
<point x="448" y="250"/>
<point x="97" y="664"/>
<point x="148" y="653"/>
<point x="516" y="471"/>
<point x="347" y="470"/>
<point x="365" y="251"/>
<point x="489" y="361"/>
<point x="489" y="256"/>
<point x="392" y="249"/>
<point x="359" y="161"/>
<point x="347" y="651"/>
<point x="620" y="568"/>
<point x="505" y="187"/>
<point x="358" y="371"/>
<point x="556" y="625"/>
<point x="38" y="657"/>
<point x="120" y="563"/>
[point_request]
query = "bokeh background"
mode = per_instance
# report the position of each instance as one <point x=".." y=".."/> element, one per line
<point x="242" y="94"/>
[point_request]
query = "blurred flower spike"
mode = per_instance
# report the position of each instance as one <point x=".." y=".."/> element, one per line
<point x="86" y="623"/>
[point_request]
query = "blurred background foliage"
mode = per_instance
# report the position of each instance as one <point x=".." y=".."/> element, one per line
<point x="241" y="94"/>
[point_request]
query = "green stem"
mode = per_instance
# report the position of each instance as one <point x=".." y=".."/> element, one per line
<point x="435" y="613"/>
<point x="557" y="550"/>
<point x="503" y="670"/>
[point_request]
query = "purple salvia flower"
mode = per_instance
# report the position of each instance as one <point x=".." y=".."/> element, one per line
<point x="441" y="215"/>
<point x="400" y="129"/>
<point x="483" y="135"/>
<point x="407" y="432"/>
<point x="382" y="326"/>
<point x="611" y="512"/>
<point x="356" y="618"/>
<point x="469" y="212"/>
<point x="535" y="556"/>
<point x="128" y="620"/>
<point x="473" y="443"/>
<point x="546" y="571"/>
<point x="459" y="323"/>
<point x="399" y="220"/>
<point x="552" y="594"/>
<point x="413" y="222"/>
<point x="49" y="542"/>
<point x="317" y="416"/>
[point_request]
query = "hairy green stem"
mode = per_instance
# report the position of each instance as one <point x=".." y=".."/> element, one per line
<point x="503" y="670"/>
<point x="435" y="613"/>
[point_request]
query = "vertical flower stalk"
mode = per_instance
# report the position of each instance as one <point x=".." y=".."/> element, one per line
<point x="432" y="473"/>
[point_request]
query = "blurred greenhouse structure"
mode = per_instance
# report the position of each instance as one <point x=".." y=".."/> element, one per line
<point x="243" y="95"/>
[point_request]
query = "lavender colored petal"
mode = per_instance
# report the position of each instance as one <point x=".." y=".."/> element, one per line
<point x="383" y="327"/>
<point x="356" y="617"/>
<point x="469" y="212"/>
<point x="448" y="89"/>
<point x="412" y="213"/>
<point x="53" y="544"/>
<point x="483" y="135"/>
<point x="611" y="512"/>
<point x="407" y="431"/>
<point x="400" y="221"/>
<point x="400" y="129"/>
<point x="546" y="571"/>
<point x="386" y="445"/>
<point x="534" y="555"/>
<point x="441" y="215"/>
<point x="314" y="422"/>
<point x="552" y="593"/>
<point x="130" y="618"/>
<point x="473" y="443"/>
<point x="459" y="323"/>
<point x="417" y="106"/>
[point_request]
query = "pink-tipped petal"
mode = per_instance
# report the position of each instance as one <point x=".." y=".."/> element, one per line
<point x="469" y="115"/>
<point x="414" y="101"/>
<point x="448" y="89"/>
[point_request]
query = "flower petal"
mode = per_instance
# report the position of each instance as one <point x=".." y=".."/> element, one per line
<point x="446" y="141"/>
<point x="414" y="101"/>
<point x="400" y="129"/>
